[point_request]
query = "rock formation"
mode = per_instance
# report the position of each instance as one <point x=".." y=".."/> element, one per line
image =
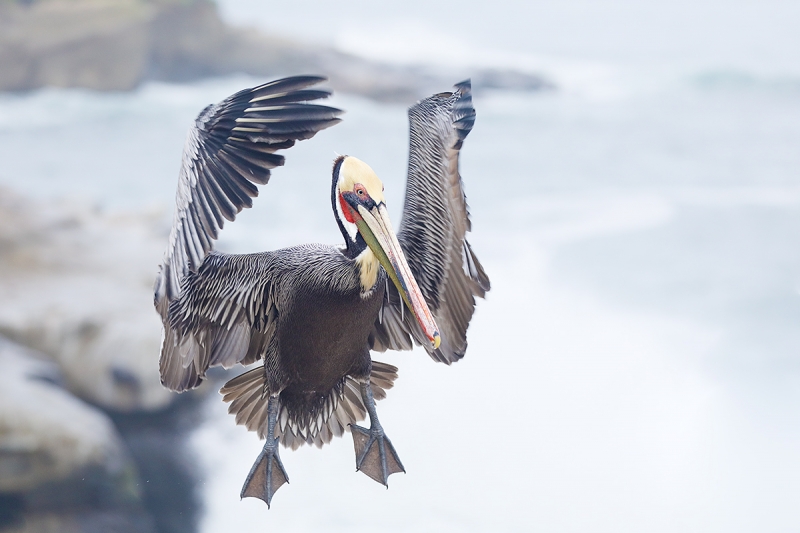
<point x="117" y="44"/>
<point x="76" y="284"/>
<point x="89" y="439"/>
<point x="62" y="462"/>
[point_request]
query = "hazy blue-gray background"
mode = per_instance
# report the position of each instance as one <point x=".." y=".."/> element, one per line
<point x="636" y="366"/>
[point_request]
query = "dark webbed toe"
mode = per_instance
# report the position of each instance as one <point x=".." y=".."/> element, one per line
<point x="266" y="476"/>
<point x="375" y="455"/>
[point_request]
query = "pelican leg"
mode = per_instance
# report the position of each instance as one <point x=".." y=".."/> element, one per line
<point x="375" y="455"/>
<point x="267" y="474"/>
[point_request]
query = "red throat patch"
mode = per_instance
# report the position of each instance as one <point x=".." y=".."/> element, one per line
<point x="348" y="212"/>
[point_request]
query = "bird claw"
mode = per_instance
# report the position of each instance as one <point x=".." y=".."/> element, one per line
<point x="267" y="474"/>
<point x="375" y="455"/>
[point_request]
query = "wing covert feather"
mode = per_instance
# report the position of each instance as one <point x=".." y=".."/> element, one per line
<point x="226" y="314"/>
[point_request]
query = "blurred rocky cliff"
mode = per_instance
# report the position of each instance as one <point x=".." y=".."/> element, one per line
<point x="89" y="439"/>
<point x="117" y="44"/>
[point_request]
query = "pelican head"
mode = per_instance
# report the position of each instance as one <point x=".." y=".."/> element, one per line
<point x="360" y="210"/>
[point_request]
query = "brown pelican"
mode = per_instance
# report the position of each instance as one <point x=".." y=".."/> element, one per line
<point x="312" y="313"/>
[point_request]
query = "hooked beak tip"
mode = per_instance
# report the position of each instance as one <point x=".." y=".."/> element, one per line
<point x="437" y="340"/>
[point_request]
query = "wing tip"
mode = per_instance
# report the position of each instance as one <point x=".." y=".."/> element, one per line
<point x="296" y="82"/>
<point x="448" y="357"/>
<point x="457" y="103"/>
<point x="463" y="111"/>
<point x="464" y="86"/>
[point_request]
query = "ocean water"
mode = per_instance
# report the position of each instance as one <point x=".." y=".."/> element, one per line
<point x="636" y="366"/>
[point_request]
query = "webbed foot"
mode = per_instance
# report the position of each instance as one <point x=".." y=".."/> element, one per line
<point x="375" y="455"/>
<point x="266" y="476"/>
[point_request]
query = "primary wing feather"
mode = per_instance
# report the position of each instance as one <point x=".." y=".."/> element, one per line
<point x="228" y="152"/>
<point x="433" y="230"/>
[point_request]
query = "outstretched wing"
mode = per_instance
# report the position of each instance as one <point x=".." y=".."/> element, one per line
<point x="229" y="150"/>
<point x="433" y="229"/>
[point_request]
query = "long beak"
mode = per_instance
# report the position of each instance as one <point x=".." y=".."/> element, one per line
<point x="376" y="229"/>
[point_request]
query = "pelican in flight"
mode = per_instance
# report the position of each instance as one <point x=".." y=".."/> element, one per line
<point x="312" y="313"/>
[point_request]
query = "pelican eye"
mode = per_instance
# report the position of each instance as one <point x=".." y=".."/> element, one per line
<point x="360" y="192"/>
